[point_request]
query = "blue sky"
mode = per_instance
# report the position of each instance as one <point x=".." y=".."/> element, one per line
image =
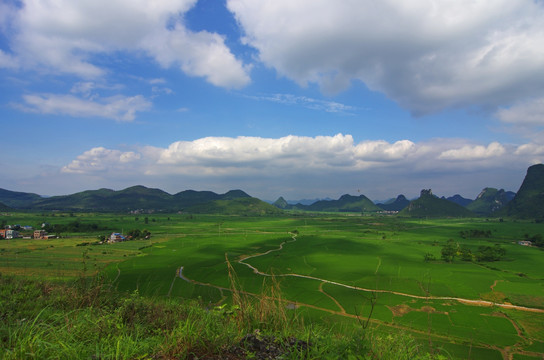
<point x="298" y="99"/>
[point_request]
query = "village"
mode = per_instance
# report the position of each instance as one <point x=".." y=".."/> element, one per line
<point x="9" y="232"/>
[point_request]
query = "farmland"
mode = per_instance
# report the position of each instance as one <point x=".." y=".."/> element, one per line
<point x="338" y="270"/>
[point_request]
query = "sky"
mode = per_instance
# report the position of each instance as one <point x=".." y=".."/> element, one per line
<point x="300" y="99"/>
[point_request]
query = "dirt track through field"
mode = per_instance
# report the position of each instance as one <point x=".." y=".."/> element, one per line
<point x="461" y="300"/>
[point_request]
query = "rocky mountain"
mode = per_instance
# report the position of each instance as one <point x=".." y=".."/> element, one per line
<point x="396" y="205"/>
<point x="428" y="205"/>
<point x="490" y="200"/>
<point x="529" y="200"/>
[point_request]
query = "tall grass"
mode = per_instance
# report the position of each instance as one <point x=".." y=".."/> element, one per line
<point x="91" y="320"/>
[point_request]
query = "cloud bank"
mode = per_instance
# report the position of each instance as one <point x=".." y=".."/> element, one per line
<point x="426" y="55"/>
<point x="68" y="37"/>
<point x="324" y="163"/>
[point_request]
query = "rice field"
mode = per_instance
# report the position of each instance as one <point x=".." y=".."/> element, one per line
<point x="336" y="269"/>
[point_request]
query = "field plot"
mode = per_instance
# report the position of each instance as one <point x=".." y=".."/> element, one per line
<point x="333" y="269"/>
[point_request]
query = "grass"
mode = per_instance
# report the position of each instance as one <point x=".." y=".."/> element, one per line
<point x="375" y="253"/>
<point x="88" y="319"/>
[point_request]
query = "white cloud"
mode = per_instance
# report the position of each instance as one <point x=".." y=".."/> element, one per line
<point x="476" y="152"/>
<point x="307" y="102"/>
<point x="426" y="55"/>
<point x="383" y="151"/>
<point x="310" y="166"/>
<point x="525" y="113"/>
<point x="530" y="149"/>
<point x="63" y="37"/>
<point x="7" y="61"/>
<point x="100" y="160"/>
<point x="242" y="156"/>
<point x="120" y="108"/>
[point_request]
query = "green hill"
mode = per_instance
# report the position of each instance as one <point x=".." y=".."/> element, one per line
<point x="137" y="198"/>
<point x="239" y="206"/>
<point x="529" y="200"/>
<point x="458" y="199"/>
<point x="281" y="203"/>
<point x="346" y="203"/>
<point x="490" y="200"/>
<point x="4" y="207"/>
<point x="20" y="200"/>
<point x="429" y="205"/>
<point x="396" y="205"/>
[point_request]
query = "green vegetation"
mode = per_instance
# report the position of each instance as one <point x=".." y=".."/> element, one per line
<point x="346" y="203"/>
<point x="331" y="272"/>
<point x="430" y="206"/>
<point x="89" y="319"/>
<point x="527" y="203"/>
<point x="142" y="199"/>
<point x="490" y="200"/>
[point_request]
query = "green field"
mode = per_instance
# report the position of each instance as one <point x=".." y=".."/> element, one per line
<point x="329" y="267"/>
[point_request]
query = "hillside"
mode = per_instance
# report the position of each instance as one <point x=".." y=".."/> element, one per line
<point x="529" y="200"/>
<point x="147" y="199"/>
<point x="490" y="200"/>
<point x="396" y="205"/>
<point x="20" y="200"/>
<point x="459" y="200"/>
<point x="346" y="203"/>
<point x="429" y="205"/>
<point x="4" y="207"/>
<point x="281" y="203"/>
<point x="239" y="206"/>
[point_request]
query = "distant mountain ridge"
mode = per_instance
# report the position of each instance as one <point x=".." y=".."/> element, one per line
<point x="428" y="205"/>
<point x="136" y="198"/>
<point x="490" y="200"/>
<point x="16" y="199"/>
<point x="397" y="204"/>
<point x="458" y="199"/>
<point x="346" y="203"/>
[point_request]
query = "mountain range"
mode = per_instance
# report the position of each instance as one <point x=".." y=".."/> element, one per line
<point x="140" y="198"/>
<point x="528" y="202"/>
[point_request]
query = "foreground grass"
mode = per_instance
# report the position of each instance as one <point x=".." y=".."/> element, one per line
<point x="89" y="320"/>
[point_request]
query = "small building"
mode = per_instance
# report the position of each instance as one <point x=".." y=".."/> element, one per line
<point x="116" y="237"/>
<point x="525" y="243"/>
<point x="12" y="234"/>
<point x="3" y="233"/>
<point x="40" y="234"/>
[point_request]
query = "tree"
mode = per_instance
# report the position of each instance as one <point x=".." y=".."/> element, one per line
<point x="429" y="257"/>
<point x="449" y="251"/>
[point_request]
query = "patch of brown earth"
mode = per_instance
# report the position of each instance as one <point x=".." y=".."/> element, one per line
<point x="400" y="310"/>
<point x="403" y="309"/>
<point x="494" y="296"/>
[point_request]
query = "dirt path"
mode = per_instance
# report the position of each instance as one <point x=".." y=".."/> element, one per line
<point x="342" y="310"/>
<point x="461" y="300"/>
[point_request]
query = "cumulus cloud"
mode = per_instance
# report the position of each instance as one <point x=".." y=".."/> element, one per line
<point x="288" y="155"/>
<point x="525" y="113"/>
<point x="99" y="160"/>
<point x="120" y="108"/>
<point x="424" y="54"/>
<point x="311" y="166"/>
<point x="63" y="36"/>
<point x="476" y="152"/>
